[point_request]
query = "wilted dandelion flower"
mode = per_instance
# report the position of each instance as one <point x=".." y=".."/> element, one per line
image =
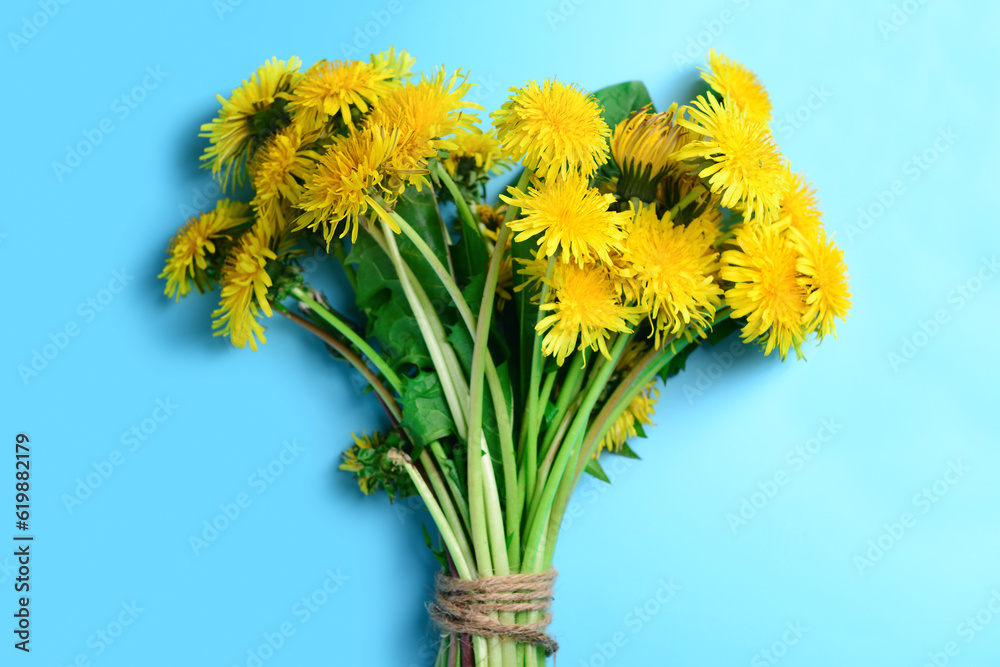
<point x="340" y="187"/>
<point x="425" y="115"/>
<point x="728" y="77"/>
<point x="744" y="163"/>
<point x="573" y="220"/>
<point x="642" y="145"/>
<point x="250" y="115"/>
<point x="244" y="291"/>
<point x="555" y="129"/>
<point x="186" y="259"/>
<point x="278" y="172"/>
<point x="358" y="459"/>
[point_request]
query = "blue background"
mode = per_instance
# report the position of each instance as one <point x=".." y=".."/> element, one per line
<point x="890" y="108"/>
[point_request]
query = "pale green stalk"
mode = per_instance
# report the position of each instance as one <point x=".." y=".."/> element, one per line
<point x="447" y="506"/>
<point x="350" y="335"/>
<point x="465" y="569"/>
<point x="513" y="500"/>
<point x="533" y="417"/>
<point x="433" y="339"/>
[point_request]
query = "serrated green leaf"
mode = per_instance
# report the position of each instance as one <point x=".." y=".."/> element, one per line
<point x="549" y="412"/>
<point x="438" y="553"/>
<point x="621" y="100"/>
<point x="426" y="417"/>
<point x="627" y="451"/>
<point x="380" y="295"/>
<point x="594" y="468"/>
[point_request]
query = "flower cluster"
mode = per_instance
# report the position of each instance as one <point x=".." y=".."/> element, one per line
<point x="322" y="149"/>
<point x="510" y="342"/>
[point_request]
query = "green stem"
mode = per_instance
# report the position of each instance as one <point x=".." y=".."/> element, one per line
<point x="447" y="506"/>
<point x="387" y="399"/>
<point x="567" y="392"/>
<point x="460" y="501"/>
<point x="533" y="419"/>
<point x="433" y="334"/>
<point x="351" y="335"/>
<point x="543" y="397"/>
<point x="464" y="212"/>
<point x="688" y="198"/>
<point x="464" y="567"/>
<point x="514" y="502"/>
<point x="568" y="449"/>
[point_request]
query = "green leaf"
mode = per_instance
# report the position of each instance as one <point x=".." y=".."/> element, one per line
<point x="438" y="553"/>
<point x="627" y="451"/>
<point x="503" y="373"/>
<point x="470" y="257"/>
<point x="426" y="417"/>
<point x="380" y="295"/>
<point x="621" y="100"/>
<point x="461" y="341"/>
<point x="421" y="210"/>
<point x="676" y="365"/>
<point x="594" y="468"/>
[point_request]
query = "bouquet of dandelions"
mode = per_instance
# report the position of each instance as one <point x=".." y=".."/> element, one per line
<point x="510" y="343"/>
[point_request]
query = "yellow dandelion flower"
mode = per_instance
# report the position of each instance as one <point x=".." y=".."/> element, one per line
<point x="766" y="288"/>
<point x="397" y="66"/>
<point x="583" y="310"/>
<point x="744" y="163"/>
<point x="708" y="224"/>
<point x="247" y="118"/>
<point x="331" y="88"/>
<point x="243" y="279"/>
<point x="642" y="146"/>
<point x="572" y="218"/>
<point x="186" y="259"/>
<point x="341" y="185"/>
<point x="728" y="77"/>
<point x="824" y="275"/>
<point x="278" y="173"/>
<point x="425" y="114"/>
<point x="478" y="150"/>
<point x="799" y="205"/>
<point x="672" y="266"/>
<point x="639" y="411"/>
<point x="555" y="129"/>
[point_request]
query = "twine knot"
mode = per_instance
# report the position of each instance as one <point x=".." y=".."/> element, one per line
<point x="462" y="607"/>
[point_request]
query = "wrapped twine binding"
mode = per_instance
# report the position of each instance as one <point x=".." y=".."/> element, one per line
<point x="462" y="607"/>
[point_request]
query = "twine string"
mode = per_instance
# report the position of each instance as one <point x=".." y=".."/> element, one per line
<point x="462" y="607"/>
